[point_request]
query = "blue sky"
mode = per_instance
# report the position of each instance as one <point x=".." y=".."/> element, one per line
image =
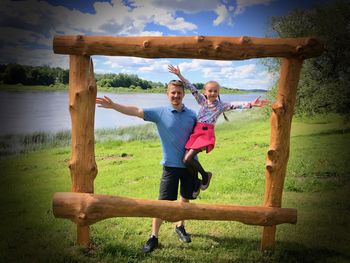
<point x="27" y="29"/>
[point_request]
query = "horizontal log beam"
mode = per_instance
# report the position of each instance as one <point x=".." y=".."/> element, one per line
<point x="87" y="209"/>
<point x="208" y="47"/>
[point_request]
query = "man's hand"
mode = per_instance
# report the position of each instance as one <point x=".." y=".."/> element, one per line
<point x="105" y="102"/>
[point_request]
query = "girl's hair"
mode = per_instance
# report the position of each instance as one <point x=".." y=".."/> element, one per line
<point x="225" y="117"/>
<point x="216" y="83"/>
<point x="211" y="82"/>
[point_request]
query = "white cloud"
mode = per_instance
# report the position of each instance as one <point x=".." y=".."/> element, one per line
<point x="32" y="24"/>
<point x="243" y="4"/>
<point x="222" y="13"/>
<point x="113" y="19"/>
<point x="227" y="73"/>
<point x="186" y="6"/>
<point x="133" y="64"/>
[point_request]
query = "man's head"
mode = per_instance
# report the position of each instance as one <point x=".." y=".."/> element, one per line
<point x="176" y="93"/>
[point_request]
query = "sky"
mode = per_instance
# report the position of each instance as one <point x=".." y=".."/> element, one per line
<point x="28" y="27"/>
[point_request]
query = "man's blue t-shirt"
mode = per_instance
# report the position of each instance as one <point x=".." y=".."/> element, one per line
<point x="174" y="128"/>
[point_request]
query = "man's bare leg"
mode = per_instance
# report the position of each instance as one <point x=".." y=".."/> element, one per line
<point x="156" y="223"/>
<point x="180" y="227"/>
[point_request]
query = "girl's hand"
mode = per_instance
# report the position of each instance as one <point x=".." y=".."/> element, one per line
<point x="174" y="70"/>
<point x="104" y="102"/>
<point x="259" y="103"/>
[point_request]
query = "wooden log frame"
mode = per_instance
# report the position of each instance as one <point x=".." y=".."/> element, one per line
<point x="84" y="208"/>
<point x="209" y="47"/>
<point x="278" y="153"/>
<point x="87" y="209"/>
<point x="82" y="97"/>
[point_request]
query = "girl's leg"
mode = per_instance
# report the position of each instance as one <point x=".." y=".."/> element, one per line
<point x="197" y="181"/>
<point x="193" y="164"/>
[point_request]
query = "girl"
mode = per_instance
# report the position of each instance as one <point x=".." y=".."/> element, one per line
<point x="203" y="136"/>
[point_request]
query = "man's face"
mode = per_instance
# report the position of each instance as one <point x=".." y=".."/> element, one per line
<point x="175" y="95"/>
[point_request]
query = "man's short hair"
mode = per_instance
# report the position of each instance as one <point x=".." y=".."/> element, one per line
<point x="177" y="82"/>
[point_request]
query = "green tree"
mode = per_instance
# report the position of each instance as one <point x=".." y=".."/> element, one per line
<point x="325" y="80"/>
<point x="63" y="76"/>
<point x="14" y="74"/>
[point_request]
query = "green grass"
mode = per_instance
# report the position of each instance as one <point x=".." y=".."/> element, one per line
<point x="20" y="87"/>
<point x="317" y="184"/>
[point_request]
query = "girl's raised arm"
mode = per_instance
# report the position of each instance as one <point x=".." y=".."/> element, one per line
<point x="199" y="97"/>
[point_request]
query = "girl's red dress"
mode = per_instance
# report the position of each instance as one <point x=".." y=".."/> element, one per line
<point x="202" y="136"/>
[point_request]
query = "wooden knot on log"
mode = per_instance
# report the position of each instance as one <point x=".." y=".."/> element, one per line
<point x="200" y="38"/>
<point x="146" y="44"/>
<point x="201" y="51"/>
<point x="218" y="48"/>
<point x="269" y="166"/>
<point x="82" y="216"/>
<point x="245" y="40"/>
<point x="91" y="88"/>
<point x="272" y="153"/>
<point x="299" y="49"/>
<point x="79" y="38"/>
<point x="278" y="108"/>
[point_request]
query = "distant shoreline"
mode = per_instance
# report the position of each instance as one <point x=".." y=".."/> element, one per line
<point x="61" y="87"/>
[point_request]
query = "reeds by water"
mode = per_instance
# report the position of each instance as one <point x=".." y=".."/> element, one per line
<point x="22" y="143"/>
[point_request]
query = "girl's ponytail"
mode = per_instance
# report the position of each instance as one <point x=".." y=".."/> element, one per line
<point x="225" y="117"/>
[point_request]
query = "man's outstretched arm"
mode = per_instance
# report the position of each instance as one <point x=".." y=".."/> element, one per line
<point x="107" y="103"/>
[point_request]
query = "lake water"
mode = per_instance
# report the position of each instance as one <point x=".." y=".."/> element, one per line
<point x="28" y="112"/>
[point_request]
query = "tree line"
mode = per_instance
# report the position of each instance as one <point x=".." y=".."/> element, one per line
<point x="30" y="75"/>
<point x="126" y="80"/>
<point x="45" y="75"/>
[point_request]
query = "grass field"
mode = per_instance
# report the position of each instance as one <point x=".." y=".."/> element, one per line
<point x="317" y="184"/>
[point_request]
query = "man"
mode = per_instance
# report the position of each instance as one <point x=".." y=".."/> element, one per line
<point x="174" y="123"/>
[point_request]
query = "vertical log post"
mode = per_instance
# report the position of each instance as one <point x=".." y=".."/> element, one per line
<point x="278" y="153"/>
<point x="82" y="97"/>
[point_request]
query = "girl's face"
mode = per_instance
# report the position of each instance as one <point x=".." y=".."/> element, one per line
<point x="211" y="91"/>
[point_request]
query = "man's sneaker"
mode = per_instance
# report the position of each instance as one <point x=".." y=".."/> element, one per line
<point x="150" y="245"/>
<point x="205" y="186"/>
<point x="197" y="189"/>
<point x="183" y="236"/>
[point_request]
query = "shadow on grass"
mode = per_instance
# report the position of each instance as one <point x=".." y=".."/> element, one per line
<point x="228" y="250"/>
<point x="325" y="133"/>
